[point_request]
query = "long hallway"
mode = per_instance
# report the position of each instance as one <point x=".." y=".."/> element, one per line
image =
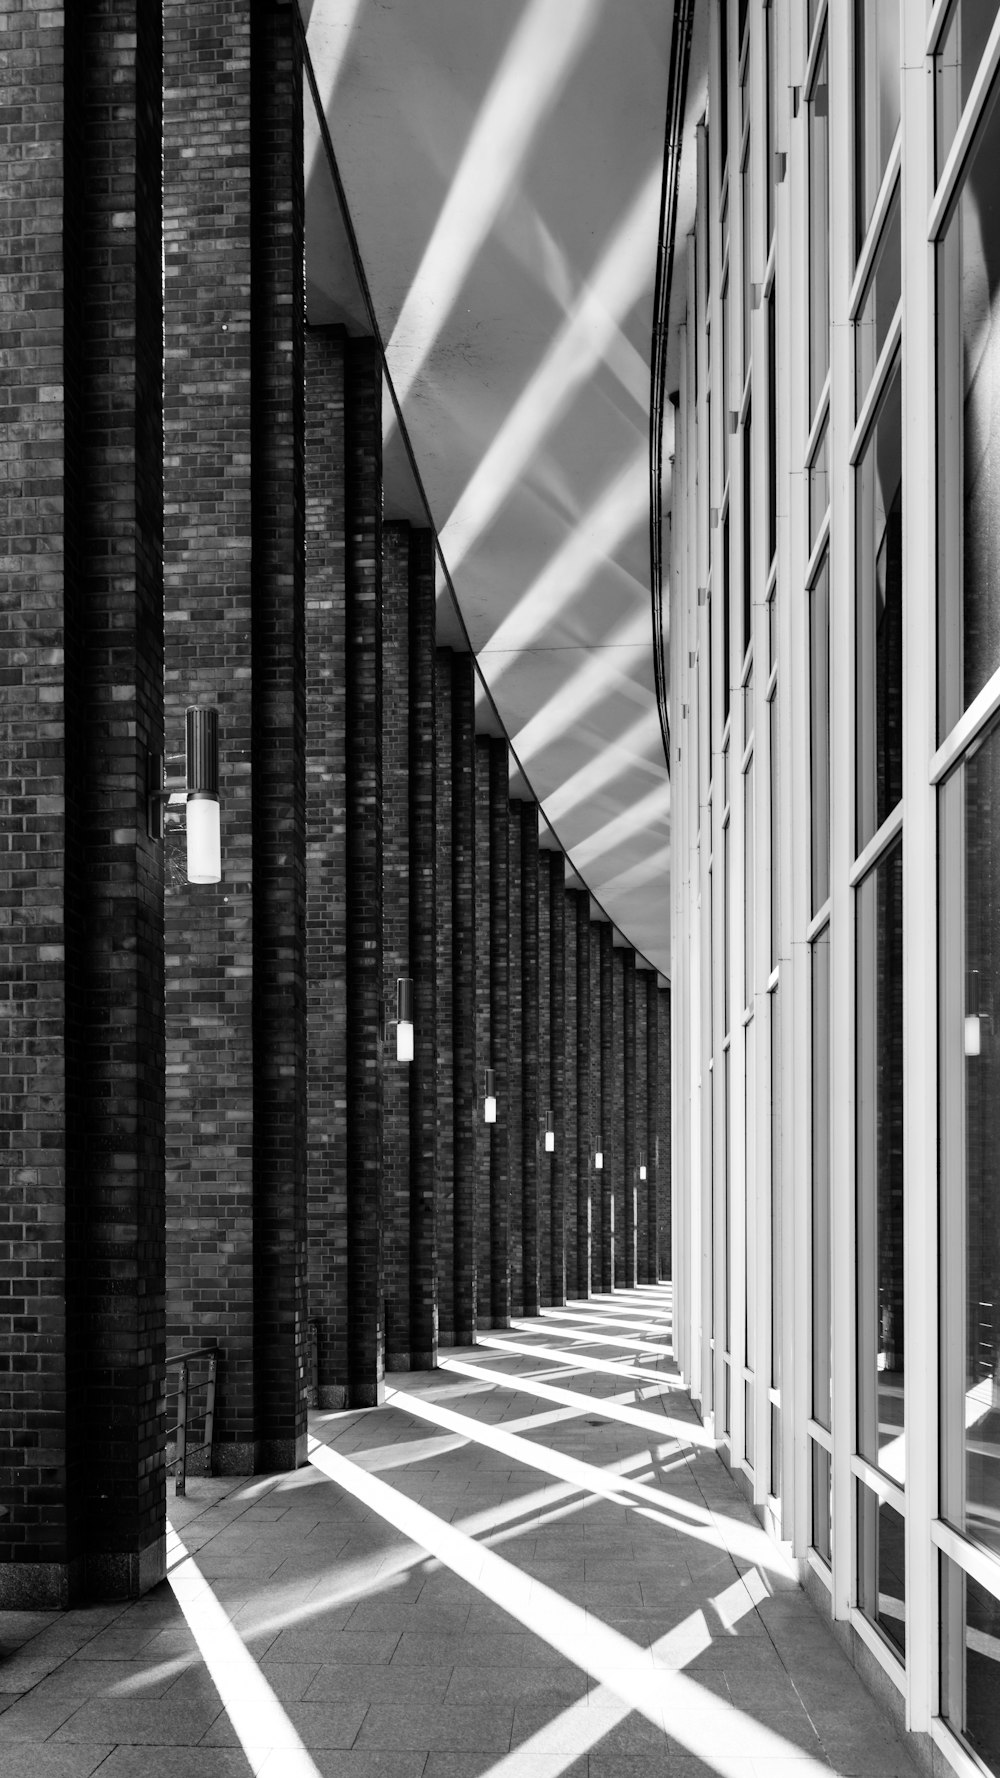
<point x="531" y="1563"/>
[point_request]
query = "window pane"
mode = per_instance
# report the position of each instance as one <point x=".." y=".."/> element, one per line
<point x="771" y="58"/>
<point x="969" y="433"/>
<point x="880" y="302"/>
<point x="748" y="887"/>
<point x="970" y="1662"/>
<point x="747" y="260"/>
<point x="748" y="1425"/>
<point x="819" y="733"/>
<point x="819" y="483"/>
<point x="956" y="65"/>
<point x="772" y="429"/>
<point x="747" y="532"/>
<point x="819" y="233"/>
<point x="969" y="941"/>
<point x="776" y="1206"/>
<point x="772" y="711"/>
<point x="882" y="1566"/>
<point x="723" y="84"/>
<point x="821" y="1334"/>
<point x="880" y="1166"/>
<point x="726" y="619"/>
<point x="821" y="1513"/>
<point x="876" y="86"/>
<point x="879" y="518"/>
<point x="775" y="1452"/>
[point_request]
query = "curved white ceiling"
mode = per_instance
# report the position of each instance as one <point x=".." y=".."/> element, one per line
<point x="502" y="164"/>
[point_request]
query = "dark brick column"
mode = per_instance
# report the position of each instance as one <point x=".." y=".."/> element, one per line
<point x="529" y="1056"/>
<point x="496" y="1133"/>
<point x="663" y="1181"/>
<point x="557" y="1072"/>
<point x="618" y="1113"/>
<point x="609" y="1231"/>
<point x="499" y="1031"/>
<point x="586" y="1032"/>
<point x="81" y="955"/>
<point x="396" y="934"/>
<point x="544" y="1081"/>
<point x="365" y="1207"/>
<point x="445" y="964"/>
<point x="643" y="1269"/>
<point x="235" y="571"/>
<point x="516" y="1111"/>
<point x="471" y="1139"/>
<point x="652" y="1123"/>
<point x="572" y="1157"/>
<point x="326" y="866"/>
<point x="631" y="1167"/>
<point x="423" y="957"/>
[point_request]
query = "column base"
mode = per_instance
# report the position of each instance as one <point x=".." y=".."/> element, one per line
<point x="366" y="1395"/>
<point x="102" y="1575"/>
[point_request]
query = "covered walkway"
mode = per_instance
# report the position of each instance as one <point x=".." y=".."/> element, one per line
<point x="531" y="1563"/>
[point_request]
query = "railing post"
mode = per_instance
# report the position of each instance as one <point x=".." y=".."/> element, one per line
<point x="209" y="1432"/>
<point x="182" y="1403"/>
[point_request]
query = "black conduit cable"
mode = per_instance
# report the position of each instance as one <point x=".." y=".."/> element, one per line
<point x="677" y="79"/>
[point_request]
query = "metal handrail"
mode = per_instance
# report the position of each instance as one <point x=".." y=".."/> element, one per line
<point x="182" y="1395"/>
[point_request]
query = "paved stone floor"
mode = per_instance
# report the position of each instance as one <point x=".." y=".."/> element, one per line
<point x="528" y="1564"/>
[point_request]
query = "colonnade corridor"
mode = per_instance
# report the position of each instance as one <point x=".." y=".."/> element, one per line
<point x="530" y="1563"/>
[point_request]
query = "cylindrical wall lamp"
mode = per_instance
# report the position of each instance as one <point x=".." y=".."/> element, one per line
<point x="490" y="1098"/>
<point x="550" y="1133"/>
<point x="204" y="844"/>
<point x="599" y="1155"/>
<point x="642" y="1164"/>
<point x="201" y="795"/>
<point x="404" y="1018"/>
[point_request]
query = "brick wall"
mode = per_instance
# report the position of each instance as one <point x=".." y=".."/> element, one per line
<point x="423" y="1340"/>
<point x="446" y="964"/>
<point x="609" y="1135"/>
<point x="557" y="1074"/>
<point x="326" y="871"/>
<point x="396" y="766"/>
<point x="663" y="1196"/>
<point x="575" y="1160"/>
<point x="499" y="904"/>
<point x="515" y="1110"/>
<point x="529" y="1059"/>
<point x="487" y="1055"/>
<point x="631" y="1166"/>
<point x="618" y="1112"/>
<point x="644" y="1272"/>
<point x="544" y="1082"/>
<point x="653" y="1116"/>
<point x="471" y="1139"/>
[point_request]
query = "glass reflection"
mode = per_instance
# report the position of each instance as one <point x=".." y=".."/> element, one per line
<point x="822" y="1515"/>
<point x="819" y="233"/>
<point x="819" y="733"/>
<point x="876" y="87"/>
<point x="970" y="1662"/>
<point x="821" y="1318"/>
<point x="882" y="1566"/>
<point x="969" y="431"/>
<point x="819" y="482"/>
<point x="879" y="519"/>
<point x="956" y="66"/>
<point x="880" y="1349"/>
<point x="879" y="303"/>
<point x="969" y="843"/>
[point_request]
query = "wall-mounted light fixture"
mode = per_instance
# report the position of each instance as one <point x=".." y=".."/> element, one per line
<point x="978" y="1014"/>
<point x="201" y="795"/>
<point x="599" y="1155"/>
<point x="642" y="1164"/>
<point x="404" y="1018"/>
<point x="550" y="1133"/>
<point x="490" y="1097"/>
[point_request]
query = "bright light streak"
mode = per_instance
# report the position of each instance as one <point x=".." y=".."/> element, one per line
<point x="664" y="1427"/>
<point x="606" y="1366"/>
<point x="594" y="679"/>
<point x="624" y="272"/>
<point x="626" y="1673"/>
<point x="549" y="39"/>
<point x="628" y="753"/>
<point x="329" y="33"/>
<point x="636" y="819"/>
<point x="656" y="865"/>
<point x="258" y="1719"/>
<point x="622" y="506"/>
<point x="586" y="1336"/>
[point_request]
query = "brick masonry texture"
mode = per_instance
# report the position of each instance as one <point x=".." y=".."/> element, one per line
<point x="396" y="765"/>
<point x="470" y="1136"/>
<point x="575" y="1156"/>
<point x="653" y="1123"/>
<point x="504" y="1062"/>
<point x="515" y="1110"/>
<point x="530" y="1102"/>
<point x="544" y="1162"/>
<point x="445" y="965"/>
<point x="644" y="1272"/>
<point x="631" y="1167"/>
<point x="557" y="1075"/>
<point x="326" y="869"/>
<point x="609" y="1135"/>
<point x="423" y="957"/>
<point x="488" y="1054"/>
<point x="618" y="1113"/>
<point x="663" y="1199"/>
<point x="81" y="1005"/>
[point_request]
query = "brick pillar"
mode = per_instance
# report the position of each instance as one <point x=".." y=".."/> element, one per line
<point x="365" y="1207"/>
<point x="631" y="1167"/>
<point x="572" y="1156"/>
<point x="499" y="1030"/>
<point x="585" y="1131"/>
<point x="557" y="1072"/>
<point x="652" y="1124"/>
<point x="607" y="1103"/>
<point x="618" y="1112"/>
<point x="423" y="957"/>
<point x="663" y="1184"/>
<point x="445" y="964"/>
<point x="643" y="1269"/>
<point x="485" y="1053"/>
<point x="81" y="955"/>
<point x="471" y="1139"/>
<point x="529" y="1056"/>
<point x="396" y="934"/>
<point x="326" y="867"/>
<point x="516" y="1112"/>
<point x="235" y="573"/>
<point x="544" y="1192"/>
